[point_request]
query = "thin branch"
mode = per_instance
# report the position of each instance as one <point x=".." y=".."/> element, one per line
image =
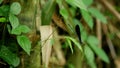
<point x="99" y="32"/>
<point x="110" y="8"/>
<point x="110" y="44"/>
<point x="58" y="21"/>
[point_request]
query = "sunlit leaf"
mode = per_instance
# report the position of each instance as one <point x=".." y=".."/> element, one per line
<point x="70" y="44"/>
<point x="48" y="11"/>
<point x="3" y="19"/>
<point x="25" y="43"/>
<point x="97" y="14"/>
<point x="87" y="2"/>
<point x="15" y="8"/>
<point x="93" y="42"/>
<point x="13" y="21"/>
<point x="9" y="57"/>
<point x="20" y="29"/>
<point x="77" y="3"/>
<point x="88" y="18"/>
<point x="64" y="13"/>
<point x="89" y="56"/>
<point x="75" y="42"/>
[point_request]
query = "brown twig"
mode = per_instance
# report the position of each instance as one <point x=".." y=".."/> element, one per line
<point x="58" y="21"/>
<point x="99" y="32"/>
<point x="110" y="8"/>
<point x="110" y="44"/>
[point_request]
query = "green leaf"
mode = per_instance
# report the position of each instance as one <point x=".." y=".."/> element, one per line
<point x="93" y="42"/>
<point x="77" y="22"/>
<point x="1" y="1"/>
<point x="64" y="13"/>
<point x="75" y="42"/>
<point x="87" y="2"/>
<point x="15" y="8"/>
<point x="24" y="28"/>
<point x="3" y="19"/>
<point x="87" y="17"/>
<point x="70" y="45"/>
<point x="97" y="14"/>
<point x="20" y="29"/>
<point x="77" y="3"/>
<point x="4" y="10"/>
<point x="48" y="11"/>
<point x="13" y="21"/>
<point x="9" y="57"/>
<point x="73" y="11"/>
<point x="89" y="56"/>
<point x="25" y="43"/>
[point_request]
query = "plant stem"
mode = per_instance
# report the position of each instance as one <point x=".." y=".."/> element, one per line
<point x="3" y="35"/>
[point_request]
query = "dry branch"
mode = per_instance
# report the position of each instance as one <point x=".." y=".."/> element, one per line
<point x="110" y="8"/>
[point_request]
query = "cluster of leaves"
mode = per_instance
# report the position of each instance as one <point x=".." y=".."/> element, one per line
<point x="88" y="12"/>
<point x="8" y="17"/>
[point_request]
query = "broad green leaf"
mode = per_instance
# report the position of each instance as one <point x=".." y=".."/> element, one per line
<point x="24" y="28"/>
<point x="87" y="2"/>
<point x="24" y="43"/>
<point x="89" y="56"/>
<point x="13" y="21"/>
<point x="20" y="29"/>
<point x="64" y="13"/>
<point x="88" y="18"/>
<point x="75" y="42"/>
<point x="77" y="3"/>
<point x="15" y="8"/>
<point x="59" y="2"/>
<point x="97" y="14"/>
<point x="3" y="19"/>
<point x="9" y="57"/>
<point x="70" y="44"/>
<point x="89" y="53"/>
<point x="1" y="1"/>
<point x="92" y="41"/>
<point x="84" y="35"/>
<point x="48" y="11"/>
<point x="4" y="10"/>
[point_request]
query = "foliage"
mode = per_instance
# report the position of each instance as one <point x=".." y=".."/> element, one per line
<point x="68" y="9"/>
<point x="11" y="22"/>
<point x="47" y="12"/>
